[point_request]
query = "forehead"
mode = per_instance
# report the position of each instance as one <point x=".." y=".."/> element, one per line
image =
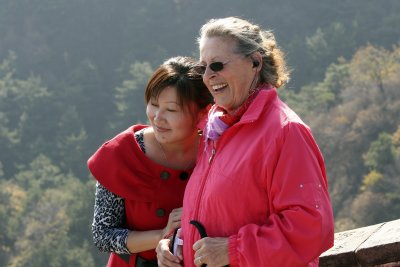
<point x="167" y="94"/>
<point x="216" y="47"/>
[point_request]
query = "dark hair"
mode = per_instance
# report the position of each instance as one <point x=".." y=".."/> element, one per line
<point x="249" y="39"/>
<point x="179" y="72"/>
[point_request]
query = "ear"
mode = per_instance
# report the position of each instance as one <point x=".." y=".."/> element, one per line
<point x="256" y="57"/>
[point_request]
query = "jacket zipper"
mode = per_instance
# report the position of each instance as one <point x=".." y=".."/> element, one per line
<point x="210" y="161"/>
<point x="202" y="185"/>
<point x="213" y="151"/>
<point x="215" y="144"/>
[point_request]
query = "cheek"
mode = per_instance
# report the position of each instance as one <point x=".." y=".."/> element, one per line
<point x="206" y="82"/>
<point x="240" y="89"/>
<point x="149" y="112"/>
<point x="183" y="121"/>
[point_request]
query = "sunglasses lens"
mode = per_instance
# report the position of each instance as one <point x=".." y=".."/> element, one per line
<point x="216" y="66"/>
<point x="200" y="69"/>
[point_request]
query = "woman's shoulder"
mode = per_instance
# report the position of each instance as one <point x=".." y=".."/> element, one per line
<point x="130" y="132"/>
<point x="279" y="112"/>
<point x="120" y="146"/>
<point x="124" y="138"/>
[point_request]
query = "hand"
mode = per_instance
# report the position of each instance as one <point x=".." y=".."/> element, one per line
<point x="174" y="221"/>
<point x="164" y="256"/>
<point x="211" y="251"/>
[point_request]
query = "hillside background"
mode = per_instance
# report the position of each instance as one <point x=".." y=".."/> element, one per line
<point x="72" y="74"/>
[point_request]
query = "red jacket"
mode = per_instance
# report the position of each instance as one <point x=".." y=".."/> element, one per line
<point x="150" y="190"/>
<point x="265" y="188"/>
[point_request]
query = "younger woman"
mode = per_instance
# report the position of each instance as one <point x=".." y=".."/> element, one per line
<point x="142" y="172"/>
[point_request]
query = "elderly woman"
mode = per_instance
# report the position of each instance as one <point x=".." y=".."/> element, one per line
<point x="259" y="188"/>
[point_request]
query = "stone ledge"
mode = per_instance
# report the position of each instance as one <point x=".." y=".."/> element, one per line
<point x="375" y="245"/>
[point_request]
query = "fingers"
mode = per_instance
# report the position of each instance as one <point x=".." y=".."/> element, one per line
<point x="164" y="257"/>
<point x="171" y="226"/>
<point x="175" y="214"/>
<point x="167" y="262"/>
<point x="177" y="210"/>
<point x="174" y="220"/>
<point x="199" y="261"/>
<point x="211" y="251"/>
<point x="199" y="244"/>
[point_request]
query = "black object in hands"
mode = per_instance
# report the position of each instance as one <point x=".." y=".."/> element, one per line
<point x="202" y="232"/>
<point x="200" y="228"/>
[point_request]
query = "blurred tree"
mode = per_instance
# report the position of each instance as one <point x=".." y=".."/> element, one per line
<point x="20" y="118"/>
<point x="380" y="153"/>
<point x="55" y="227"/>
<point x="129" y="97"/>
<point x="89" y="101"/>
<point x="317" y="98"/>
<point x="12" y="199"/>
<point x="72" y="142"/>
<point x="348" y="115"/>
<point x="327" y="45"/>
<point x="370" y="208"/>
<point x="374" y="66"/>
<point x="371" y="179"/>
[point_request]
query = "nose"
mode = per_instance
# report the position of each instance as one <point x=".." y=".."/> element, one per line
<point x="158" y="115"/>
<point x="208" y="73"/>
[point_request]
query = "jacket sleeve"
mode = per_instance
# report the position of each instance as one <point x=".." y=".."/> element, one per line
<point x="300" y="222"/>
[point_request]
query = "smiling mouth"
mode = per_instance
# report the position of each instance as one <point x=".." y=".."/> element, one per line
<point x="218" y="87"/>
<point x="160" y="129"/>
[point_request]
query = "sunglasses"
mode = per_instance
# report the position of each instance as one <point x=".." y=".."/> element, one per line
<point x="215" y="67"/>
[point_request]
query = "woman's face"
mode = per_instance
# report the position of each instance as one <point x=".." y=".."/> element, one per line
<point x="171" y="122"/>
<point x="229" y="86"/>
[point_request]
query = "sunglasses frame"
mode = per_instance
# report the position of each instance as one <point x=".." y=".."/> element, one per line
<point x="215" y="67"/>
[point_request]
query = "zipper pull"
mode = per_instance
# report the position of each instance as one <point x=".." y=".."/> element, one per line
<point x="212" y="155"/>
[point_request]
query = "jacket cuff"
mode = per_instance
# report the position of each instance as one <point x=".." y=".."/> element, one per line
<point x="232" y="250"/>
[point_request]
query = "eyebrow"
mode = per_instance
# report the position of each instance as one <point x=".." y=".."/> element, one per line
<point x="156" y="99"/>
<point x="213" y="59"/>
<point x="170" y="102"/>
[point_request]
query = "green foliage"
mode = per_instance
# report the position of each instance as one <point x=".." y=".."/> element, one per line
<point x="369" y="208"/>
<point x="1" y="171"/>
<point x="380" y="153"/>
<point x="328" y="44"/>
<point x="320" y="97"/>
<point x="19" y="120"/>
<point x="71" y="142"/>
<point x="12" y="199"/>
<point x="352" y="113"/>
<point x="54" y="229"/>
<point x="133" y="89"/>
<point x="371" y="179"/>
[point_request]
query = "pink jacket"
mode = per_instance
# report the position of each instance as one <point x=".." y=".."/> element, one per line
<point x="265" y="188"/>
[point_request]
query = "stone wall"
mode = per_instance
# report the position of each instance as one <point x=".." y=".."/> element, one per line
<point x="375" y="245"/>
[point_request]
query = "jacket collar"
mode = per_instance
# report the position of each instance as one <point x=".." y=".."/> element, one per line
<point x="257" y="107"/>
